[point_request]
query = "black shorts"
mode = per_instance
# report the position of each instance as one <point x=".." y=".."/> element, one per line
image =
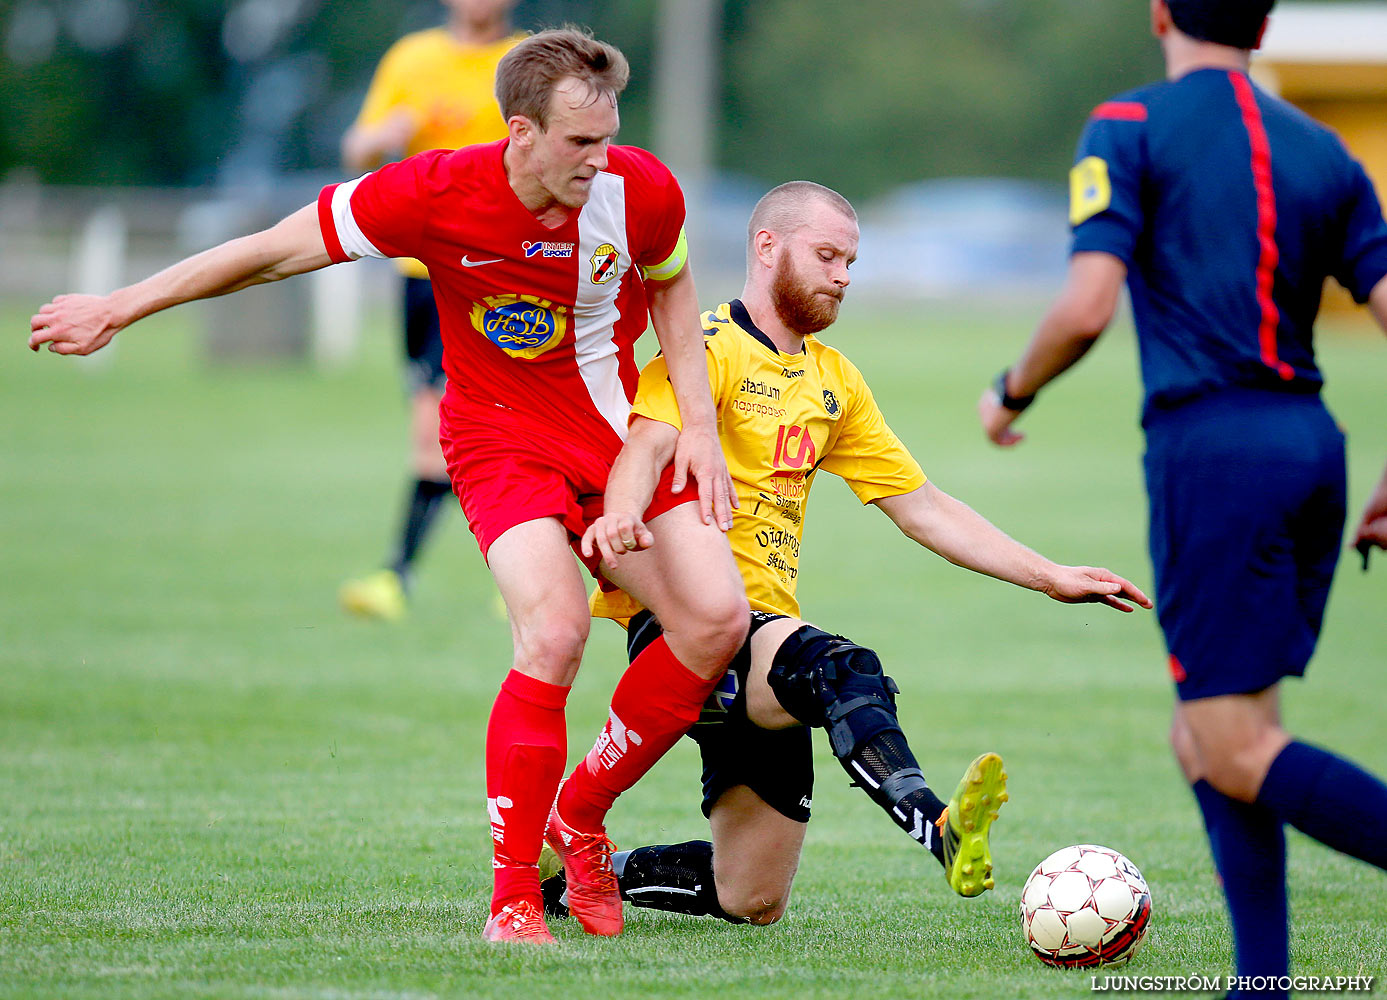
<point x="423" y="338"/>
<point x="776" y="764"/>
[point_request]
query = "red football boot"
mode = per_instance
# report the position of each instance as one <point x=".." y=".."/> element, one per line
<point x="520" y="922"/>
<point x="587" y="863"/>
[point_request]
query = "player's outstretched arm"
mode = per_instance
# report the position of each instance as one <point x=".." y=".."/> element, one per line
<point x="961" y="535"/>
<point x="81" y="324"/>
<point x="1075" y="320"/>
<point x="674" y="315"/>
<point x="648" y="449"/>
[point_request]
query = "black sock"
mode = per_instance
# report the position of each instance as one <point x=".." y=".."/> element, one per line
<point x="420" y="511"/>
<point x="673" y="877"/>
<point x="886" y="770"/>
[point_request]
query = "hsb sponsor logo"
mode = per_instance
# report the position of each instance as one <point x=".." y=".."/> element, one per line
<point x="524" y="326"/>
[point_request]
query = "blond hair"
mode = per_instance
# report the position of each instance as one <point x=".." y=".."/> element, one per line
<point x="527" y="74"/>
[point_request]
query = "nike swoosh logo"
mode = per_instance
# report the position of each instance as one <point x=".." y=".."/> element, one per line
<point x="479" y="263"/>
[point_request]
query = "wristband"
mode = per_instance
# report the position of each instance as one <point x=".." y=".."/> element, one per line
<point x="1008" y="401"/>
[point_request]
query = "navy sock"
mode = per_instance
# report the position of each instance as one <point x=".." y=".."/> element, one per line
<point x="1249" y="848"/>
<point x="423" y="506"/>
<point x="1328" y="798"/>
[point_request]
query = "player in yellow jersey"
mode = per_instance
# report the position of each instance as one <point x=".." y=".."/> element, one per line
<point x="432" y="90"/>
<point x="790" y="406"/>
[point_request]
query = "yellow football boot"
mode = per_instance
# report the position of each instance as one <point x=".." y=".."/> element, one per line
<point x="964" y="824"/>
<point x="380" y="595"/>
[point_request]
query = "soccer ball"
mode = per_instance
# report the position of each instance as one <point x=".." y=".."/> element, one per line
<point x="1085" y="906"/>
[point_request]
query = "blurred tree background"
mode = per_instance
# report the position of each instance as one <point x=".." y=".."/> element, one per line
<point x="861" y="96"/>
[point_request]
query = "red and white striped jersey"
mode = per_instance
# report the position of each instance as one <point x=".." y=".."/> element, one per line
<point x="538" y="320"/>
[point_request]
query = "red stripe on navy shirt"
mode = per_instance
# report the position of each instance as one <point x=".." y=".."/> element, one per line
<point x="1268" y="255"/>
<point x="329" y="227"/>
<point x="1121" y="111"/>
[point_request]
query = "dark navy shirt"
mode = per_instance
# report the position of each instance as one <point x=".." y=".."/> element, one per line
<point x="1229" y="208"/>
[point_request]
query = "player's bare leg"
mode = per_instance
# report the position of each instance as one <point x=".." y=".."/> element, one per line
<point x="756" y="853"/>
<point x="546" y="599"/>
<point x="1237" y="737"/>
<point x="1250" y="758"/>
<point x="829" y="679"/>
<point x="689" y="581"/>
<point x="689" y="576"/>
<point x="527" y="739"/>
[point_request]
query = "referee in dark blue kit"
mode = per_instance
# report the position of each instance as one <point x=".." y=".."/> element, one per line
<point x="1224" y="210"/>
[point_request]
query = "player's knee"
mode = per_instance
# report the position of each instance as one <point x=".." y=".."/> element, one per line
<point x="759" y="907"/>
<point x="829" y="681"/>
<point x="1239" y="769"/>
<point x="726" y="622"/>
<point x="554" y="645"/>
<point x="1234" y="757"/>
<point x="708" y="634"/>
<point x="1229" y="777"/>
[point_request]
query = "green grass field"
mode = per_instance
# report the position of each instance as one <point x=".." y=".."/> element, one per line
<point x="213" y="784"/>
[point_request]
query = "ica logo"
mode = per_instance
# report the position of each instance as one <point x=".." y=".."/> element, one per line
<point x="794" y="448"/>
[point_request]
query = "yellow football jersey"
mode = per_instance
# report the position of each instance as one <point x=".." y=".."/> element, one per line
<point x="450" y="89"/>
<point x="781" y="419"/>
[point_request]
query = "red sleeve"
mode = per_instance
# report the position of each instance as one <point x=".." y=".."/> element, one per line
<point x="655" y="207"/>
<point x="382" y="214"/>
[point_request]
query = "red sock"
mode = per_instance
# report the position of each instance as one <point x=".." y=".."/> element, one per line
<point x="655" y="703"/>
<point x="526" y="747"/>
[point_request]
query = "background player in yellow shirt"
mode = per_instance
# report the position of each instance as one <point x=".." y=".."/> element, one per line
<point x="432" y="90"/>
<point x="788" y="406"/>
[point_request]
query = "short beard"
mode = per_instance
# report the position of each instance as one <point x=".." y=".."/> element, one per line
<point x="802" y="309"/>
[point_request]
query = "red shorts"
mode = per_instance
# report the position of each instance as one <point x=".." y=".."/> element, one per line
<point x="507" y="469"/>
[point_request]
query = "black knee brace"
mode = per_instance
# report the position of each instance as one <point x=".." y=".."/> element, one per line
<point x="829" y="681"/>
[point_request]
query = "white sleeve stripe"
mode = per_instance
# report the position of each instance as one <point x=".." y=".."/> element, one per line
<point x="349" y="234"/>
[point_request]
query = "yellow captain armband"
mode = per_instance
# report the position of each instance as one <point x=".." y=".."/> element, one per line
<point x="672" y="264"/>
<point x="1090" y="190"/>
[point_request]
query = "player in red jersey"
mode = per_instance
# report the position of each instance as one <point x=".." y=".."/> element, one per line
<point x="548" y="250"/>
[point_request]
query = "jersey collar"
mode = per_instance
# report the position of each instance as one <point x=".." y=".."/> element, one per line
<point x="737" y="311"/>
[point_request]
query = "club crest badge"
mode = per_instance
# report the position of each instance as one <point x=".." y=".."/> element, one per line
<point x="830" y="403"/>
<point x="605" y="262"/>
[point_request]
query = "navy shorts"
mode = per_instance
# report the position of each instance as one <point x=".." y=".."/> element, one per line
<point x="776" y="764"/>
<point x="423" y="338"/>
<point x="1247" y="494"/>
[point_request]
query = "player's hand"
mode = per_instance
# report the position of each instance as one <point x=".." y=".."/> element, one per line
<point x="997" y="419"/>
<point x="615" y="535"/>
<point x="698" y="453"/>
<point x="1372" y="526"/>
<point x="1094" y="585"/>
<point x="73" y="324"/>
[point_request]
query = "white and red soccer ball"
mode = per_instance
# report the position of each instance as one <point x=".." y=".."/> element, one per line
<point x="1085" y="906"/>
